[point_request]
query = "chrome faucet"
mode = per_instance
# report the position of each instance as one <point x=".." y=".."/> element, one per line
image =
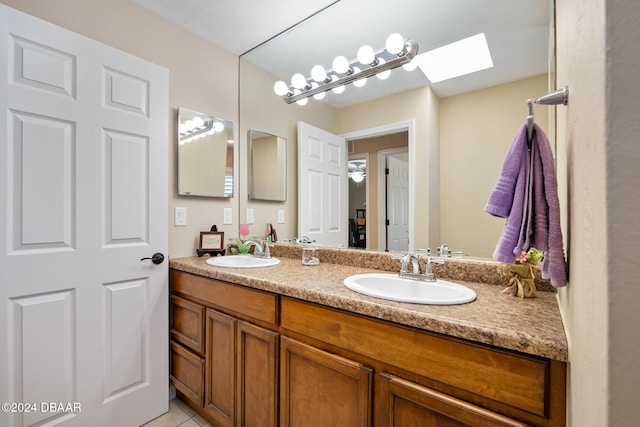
<point x="430" y="276"/>
<point x="409" y="259"/>
<point x="258" y="252"/>
<point x="415" y="273"/>
<point x="443" y="250"/>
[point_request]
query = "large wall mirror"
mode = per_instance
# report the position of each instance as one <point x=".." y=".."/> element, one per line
<point x="457" y="130"/>
<point x="205" y="155"/>
<point x="267" y="172"/>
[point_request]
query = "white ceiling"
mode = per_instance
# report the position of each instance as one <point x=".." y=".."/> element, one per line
<point x="517" y="33"/>
<point x="235" y="25"/>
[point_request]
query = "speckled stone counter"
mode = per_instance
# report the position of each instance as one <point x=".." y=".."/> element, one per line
<point x="531" y="326"/>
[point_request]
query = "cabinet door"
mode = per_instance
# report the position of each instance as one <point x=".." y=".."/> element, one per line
<point x="257" y="400"/>
<point x="402" y="403"/>
<point x="186" y="372"/>
<point x="220" y="386"/>
<point x="186" y="323"/>
<point x="322" y="389"/>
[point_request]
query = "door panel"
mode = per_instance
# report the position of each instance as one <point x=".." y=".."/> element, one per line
<point x="398" y="204"/>
<point x="322" y="186"/>
<point x="126" y="191"/>
<point x="83" y="190"/>
<point x="42" y="152"/>
<point x="30" y="338"/>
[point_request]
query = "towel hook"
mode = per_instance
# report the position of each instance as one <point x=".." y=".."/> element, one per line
<point x="557" y="97"/>
<point x="530" y="119"/>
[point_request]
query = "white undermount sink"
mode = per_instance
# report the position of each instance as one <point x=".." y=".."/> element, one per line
<point x="394" y="288"/>
<point x="242" y="261"/>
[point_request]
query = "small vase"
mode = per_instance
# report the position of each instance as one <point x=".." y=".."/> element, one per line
<point x="521" y="281"/>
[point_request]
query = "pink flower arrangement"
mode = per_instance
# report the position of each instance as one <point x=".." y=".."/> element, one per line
<point x="533" y="256"/>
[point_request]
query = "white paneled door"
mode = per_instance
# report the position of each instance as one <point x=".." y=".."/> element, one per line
<point x="397" y="204"/>
<point x="322" y="186"/>
<point x="83" y="190"/>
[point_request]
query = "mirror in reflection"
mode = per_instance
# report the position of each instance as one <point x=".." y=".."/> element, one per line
<point x="267" y="166"/>
<point x="205" y="155"/>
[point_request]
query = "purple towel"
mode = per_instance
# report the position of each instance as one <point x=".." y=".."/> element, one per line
<point x="547" y="234"/>
<point x="501" y="199"/>
<point x="527" y="195"/>
<point x="507" y="200"/>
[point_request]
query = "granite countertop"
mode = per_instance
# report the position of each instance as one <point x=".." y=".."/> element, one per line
<point x="530" y="326"/>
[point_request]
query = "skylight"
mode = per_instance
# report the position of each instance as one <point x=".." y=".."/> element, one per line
<point x="456" y="59"/>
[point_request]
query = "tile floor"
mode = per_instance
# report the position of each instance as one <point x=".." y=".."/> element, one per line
<point x="179" y="415"/>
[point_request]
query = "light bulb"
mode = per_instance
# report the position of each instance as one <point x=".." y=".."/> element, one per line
<point x="319" y="95"/>
<point x="197" y="122"/>
<point x="410" y="66"/>
<point x="318" y="73"/>
<point x="394" y="44"/>
<point x="341" y="64"/>
<point x="218" y="127"/>
<point x="359" y="82"/>
<point x="357" y="176"/>
<point x="366" y="55"/>
<point x="302" y="101"/>
<point x="189" y="125"/>
<point x="298" y="81"/>
<point x="385" y="74"/>
<point x="280" y="88"/>
<point x="338" y="89"/>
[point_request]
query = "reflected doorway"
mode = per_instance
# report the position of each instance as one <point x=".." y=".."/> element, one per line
<point x="373" y="199"/>
<point x="358" y="189"/>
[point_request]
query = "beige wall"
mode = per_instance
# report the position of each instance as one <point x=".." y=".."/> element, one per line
<point x="202" y="76"/>
<point x="476" y="130"/>
<point x="598" y="147"/>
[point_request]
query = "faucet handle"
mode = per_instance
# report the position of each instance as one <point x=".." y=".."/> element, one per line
<point x="407" y="259"/>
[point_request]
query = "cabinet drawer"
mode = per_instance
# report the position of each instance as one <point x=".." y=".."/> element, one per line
<point x="186" y="323"/>
<point x="187" y="373"/>
<point x="508" y="378"/>
<point x="245" y="303"/>
<point x="406" y="404"/>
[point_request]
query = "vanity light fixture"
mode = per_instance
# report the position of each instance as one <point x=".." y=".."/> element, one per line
<point x="397" y="52"/>
<point x="197" y="128"/>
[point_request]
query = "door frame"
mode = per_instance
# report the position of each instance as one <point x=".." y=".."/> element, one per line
<point x="406" y="126"/>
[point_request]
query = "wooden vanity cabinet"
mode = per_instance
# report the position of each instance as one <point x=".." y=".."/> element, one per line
<point x="274" y="360"/>
<point x="421" y="376"/>
<point x="238" y="364"/>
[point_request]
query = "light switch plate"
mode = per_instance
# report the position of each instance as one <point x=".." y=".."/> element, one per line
<point x="280" y="216"/>
<point x="228" y="213"/>
<point x="249" y="216"/>
<point x="180" y="216"/>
